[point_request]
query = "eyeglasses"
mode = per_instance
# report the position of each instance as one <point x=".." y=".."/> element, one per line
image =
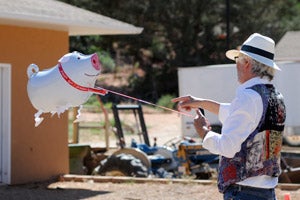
<point x="235" y="58"/>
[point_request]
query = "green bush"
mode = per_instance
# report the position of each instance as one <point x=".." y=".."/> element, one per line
<point x="108" y="64"/>
<point x="92" y="101"/>
<point x="165" y="101"/>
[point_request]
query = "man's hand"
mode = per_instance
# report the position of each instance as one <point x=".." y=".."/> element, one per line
<point x="187" y="102"/>
<point x="201" y="124"/>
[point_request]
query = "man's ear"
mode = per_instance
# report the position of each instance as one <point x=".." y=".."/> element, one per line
<point x="248" y="63"/>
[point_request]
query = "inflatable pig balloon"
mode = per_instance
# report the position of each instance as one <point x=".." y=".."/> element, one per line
<point x="63" y="86"/>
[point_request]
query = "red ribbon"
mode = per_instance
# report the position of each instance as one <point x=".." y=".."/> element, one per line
<point x="79" y="87"/>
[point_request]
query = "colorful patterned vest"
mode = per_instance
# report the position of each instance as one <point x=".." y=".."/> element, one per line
<point x="260" y="152"/>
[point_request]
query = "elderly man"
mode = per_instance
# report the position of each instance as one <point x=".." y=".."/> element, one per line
<point x="250" y="143"/>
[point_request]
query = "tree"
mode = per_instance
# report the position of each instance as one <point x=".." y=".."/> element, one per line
<point x="181" y="33"/>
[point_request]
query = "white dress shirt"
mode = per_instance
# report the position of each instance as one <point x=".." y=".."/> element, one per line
<point x="239" y="119"/>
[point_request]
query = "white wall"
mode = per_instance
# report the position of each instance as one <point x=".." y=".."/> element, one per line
<point x="288" y="83"/>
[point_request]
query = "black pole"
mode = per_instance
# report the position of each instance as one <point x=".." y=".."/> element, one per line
<point x="227" y="24"/>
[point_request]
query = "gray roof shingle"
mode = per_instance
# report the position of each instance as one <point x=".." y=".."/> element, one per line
<point x="56" y="15"/>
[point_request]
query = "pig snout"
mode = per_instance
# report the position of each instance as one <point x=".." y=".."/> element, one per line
<point x="95" y="62"/>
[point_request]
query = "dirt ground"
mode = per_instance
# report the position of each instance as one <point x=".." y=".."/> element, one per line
<point x="90" y="190"/>
<point x="162" y="126"/>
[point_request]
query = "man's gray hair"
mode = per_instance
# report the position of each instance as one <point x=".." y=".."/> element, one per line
<point x="262" y="70"/>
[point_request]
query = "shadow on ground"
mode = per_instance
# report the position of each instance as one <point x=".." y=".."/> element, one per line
<point x="43" y="192"/>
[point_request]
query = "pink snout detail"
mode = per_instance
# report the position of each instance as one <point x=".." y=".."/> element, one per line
<point x="95" y="62"/>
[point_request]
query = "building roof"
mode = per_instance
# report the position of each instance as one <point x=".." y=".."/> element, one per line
<point x="288" y="48"/>
<point x="56" y="15"/>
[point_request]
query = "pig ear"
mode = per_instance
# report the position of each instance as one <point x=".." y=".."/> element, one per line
<point x="65" y="58"/>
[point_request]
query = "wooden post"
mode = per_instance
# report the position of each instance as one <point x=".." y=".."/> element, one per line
<point x="107" y="124"/>
<point x="75" y="127"/>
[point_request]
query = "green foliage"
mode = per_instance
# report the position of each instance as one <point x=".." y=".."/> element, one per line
<point x="108" y="64"/>
<point x="92" y="101"/>
<point x="165" y="101"/>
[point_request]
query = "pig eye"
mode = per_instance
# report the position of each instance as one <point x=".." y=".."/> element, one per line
<point x="78" y="58"/>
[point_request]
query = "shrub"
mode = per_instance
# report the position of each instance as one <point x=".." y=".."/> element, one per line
<point x="108" y="64"/>
<point x="165" y="101"/>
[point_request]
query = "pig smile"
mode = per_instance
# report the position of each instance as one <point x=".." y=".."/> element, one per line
<point x="92" y="75"/>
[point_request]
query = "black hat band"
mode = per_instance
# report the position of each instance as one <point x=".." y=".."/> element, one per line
<point x="257" y="51"/>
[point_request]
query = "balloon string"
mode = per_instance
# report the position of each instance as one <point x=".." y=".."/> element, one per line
<point x="100" y="91"/>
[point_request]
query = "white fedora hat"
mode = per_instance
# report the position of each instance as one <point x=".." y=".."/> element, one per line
<point x="259" y="48"/>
